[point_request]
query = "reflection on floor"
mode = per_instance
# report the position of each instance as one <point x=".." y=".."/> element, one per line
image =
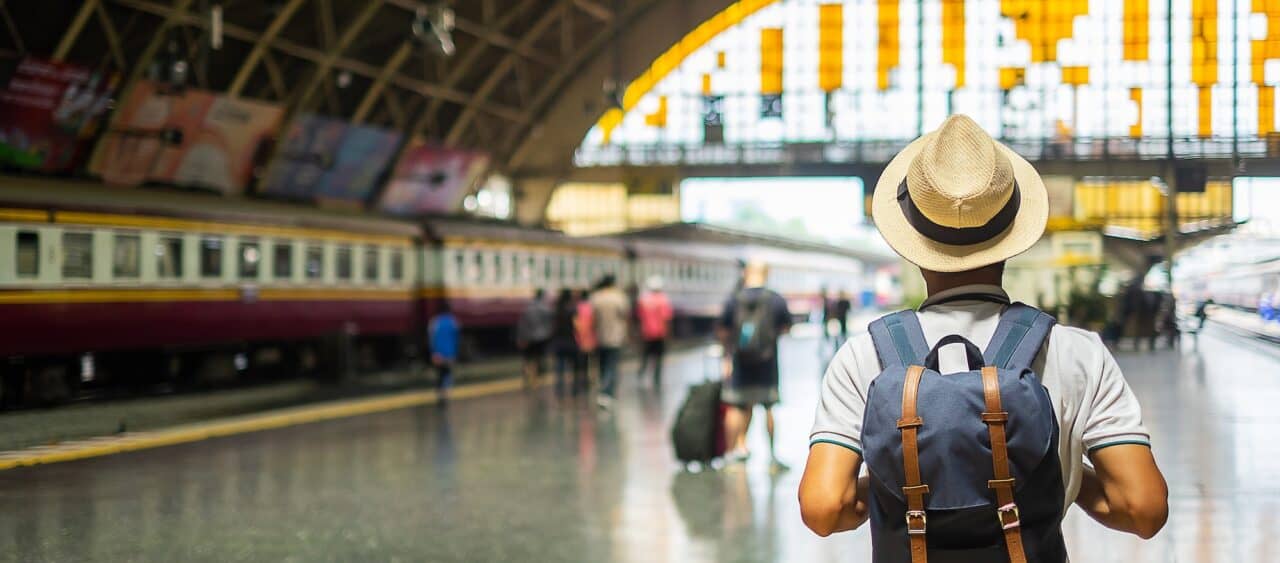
<point x="528" y="478"/>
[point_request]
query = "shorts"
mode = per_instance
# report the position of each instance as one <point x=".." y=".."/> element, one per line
<point x="749" y="395"/>
<point x="658" y="347"/>
<point x="535" y="350"/>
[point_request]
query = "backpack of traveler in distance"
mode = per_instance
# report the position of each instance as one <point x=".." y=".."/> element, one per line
<point x="756" y="329"/>
<point x="964" y="466"/>
<point x="698" y="430"/>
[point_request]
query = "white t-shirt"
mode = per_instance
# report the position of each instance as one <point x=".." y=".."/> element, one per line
<point x="1094" y="404"/>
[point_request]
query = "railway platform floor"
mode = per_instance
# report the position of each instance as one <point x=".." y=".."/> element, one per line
<point x="522" y="476"/>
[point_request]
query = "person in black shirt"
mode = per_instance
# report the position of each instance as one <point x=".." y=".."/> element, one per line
<point x="564" y="343"/>
<point x="753" y="320"/>
<point x="840" y="310"/>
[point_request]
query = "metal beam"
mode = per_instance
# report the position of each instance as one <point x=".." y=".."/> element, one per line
<point x="393" y="65"/>
<point x="595" y="9"/>
<point x="352" y="31"/>
<point x="496" y="75"/>
<point x="73" y="31"/>
<point x="467" y="63"/>
<point x="13" y="28"/>
<point x="553" y="85"/>
<point x="171" y="16"/>
<point x="491" y="34"/>
<point x="113" y="37"/>
<point x="261" y="45"/>
<point x="314" y="56"/>
<point x="324" y="17"/>
<point x="275" y="76"/>
<point x="395" y="109"/>
<point x="566" y="31"/>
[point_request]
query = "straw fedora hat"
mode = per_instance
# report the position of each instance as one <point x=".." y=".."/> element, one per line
<point x="956" y="200"/>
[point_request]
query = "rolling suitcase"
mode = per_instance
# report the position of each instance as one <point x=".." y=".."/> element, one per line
<point x="698" y="434"/>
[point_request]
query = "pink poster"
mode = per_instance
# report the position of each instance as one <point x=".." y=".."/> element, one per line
<point x="432" y="179"/>
<point x="49" y="112"/>
<point x="187" y="137"/>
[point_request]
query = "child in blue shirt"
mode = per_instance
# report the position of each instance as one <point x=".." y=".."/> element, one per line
<point x="444" y="334"/>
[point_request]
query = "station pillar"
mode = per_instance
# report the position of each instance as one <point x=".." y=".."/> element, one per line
<point x="1171" y="227"/>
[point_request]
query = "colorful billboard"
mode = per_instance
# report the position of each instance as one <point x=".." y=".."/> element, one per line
<point x="326" y="158"/>
<point x="432" y="179"/>
<point x="49" y="112"/>
<point x="186" y="137"/>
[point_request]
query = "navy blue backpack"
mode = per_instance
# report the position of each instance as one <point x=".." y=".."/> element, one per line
<point x="964" y="466"/>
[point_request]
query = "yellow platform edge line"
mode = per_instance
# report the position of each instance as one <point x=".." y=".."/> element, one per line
<point x="282" y="418"/>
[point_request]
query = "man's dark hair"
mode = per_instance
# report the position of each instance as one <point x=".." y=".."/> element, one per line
<point x="607" y="281"/>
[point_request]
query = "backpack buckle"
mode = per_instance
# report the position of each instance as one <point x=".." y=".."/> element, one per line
<point x="916" y="516"/>
<point x="1010" y="508"/>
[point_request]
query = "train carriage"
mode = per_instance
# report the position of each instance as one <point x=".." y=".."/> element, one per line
<point x="105" y="282"/>
<point x="111" y="286"/>
<point x="488" y="271"/>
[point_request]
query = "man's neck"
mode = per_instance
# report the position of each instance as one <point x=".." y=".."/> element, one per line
<point x="938" y="283"/>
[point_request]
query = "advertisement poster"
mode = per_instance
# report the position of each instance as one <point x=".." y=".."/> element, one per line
<point x="49" y="113"/>
<point x="432" y="179"/>
<point x="328" y="159"/>
<point x="187" y="137"/>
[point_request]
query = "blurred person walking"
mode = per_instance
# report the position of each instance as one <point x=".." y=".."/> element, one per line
<point x="612" y="313"/>
<point x="584" y="331"/>
<point x="840" y="310"/>
<point x="564" y="342"/>
<point x="533" y="333"/>
<point x="654" y="313"/>
<point x="1202" y="313"/>
<point x="753" y="320"/>
<point x="979" y="465"/>
<point x="443" y="333"/>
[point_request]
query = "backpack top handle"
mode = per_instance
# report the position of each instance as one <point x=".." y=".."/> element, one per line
<point x="971" y="351"/>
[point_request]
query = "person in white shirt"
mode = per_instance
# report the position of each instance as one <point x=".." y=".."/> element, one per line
<point x="958" y="204"/>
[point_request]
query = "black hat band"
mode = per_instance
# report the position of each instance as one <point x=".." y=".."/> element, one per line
<point x="958" y="236"/>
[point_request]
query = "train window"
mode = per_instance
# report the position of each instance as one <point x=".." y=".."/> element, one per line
<point x="77" y="255"/>
<point x="517" y="269"/>
<point x="282" y="261"/>
<point x="546" y="269"/>
<point x="169" y="257"/>
<point x="477" y="267"/>
<point x="460" y="265"/>
<point x="397" y="265"/>
<point x="498" y="274"/>
<point x="211" y="257"/>
<point x="250" y="258"/>
<point x="342" y="259"/>
<point x="314" y="262"/>
<point x="126" y="257"/>
<point x="371" y="264"/>
<point x="529" y="267"/>
<point x="28" y="254"/>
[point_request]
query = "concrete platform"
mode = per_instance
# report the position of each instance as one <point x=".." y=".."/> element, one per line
<point x="523" y="477"/>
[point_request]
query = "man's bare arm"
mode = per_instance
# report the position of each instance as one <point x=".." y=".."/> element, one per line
<point x="832" y="497"/>
<point x="1125" y="490"/>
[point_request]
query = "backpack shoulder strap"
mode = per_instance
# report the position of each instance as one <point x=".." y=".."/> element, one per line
<point x="1019" y="336"/>
<point x="898" y="339"/>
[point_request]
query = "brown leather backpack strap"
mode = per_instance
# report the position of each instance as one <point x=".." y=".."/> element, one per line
<point x="914" y="490"/>
<point x="1007" y="514"/>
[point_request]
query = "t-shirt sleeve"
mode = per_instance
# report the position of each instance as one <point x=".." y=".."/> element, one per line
<point x="1114" y="416"/>
<point x="780" y="311"/>
<point x="841" y="404"/>
<point x="726" y="316"/>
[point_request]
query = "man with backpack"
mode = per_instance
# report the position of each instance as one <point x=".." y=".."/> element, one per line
<point x="980" y="464"/>
<point x="753" y="320"/>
